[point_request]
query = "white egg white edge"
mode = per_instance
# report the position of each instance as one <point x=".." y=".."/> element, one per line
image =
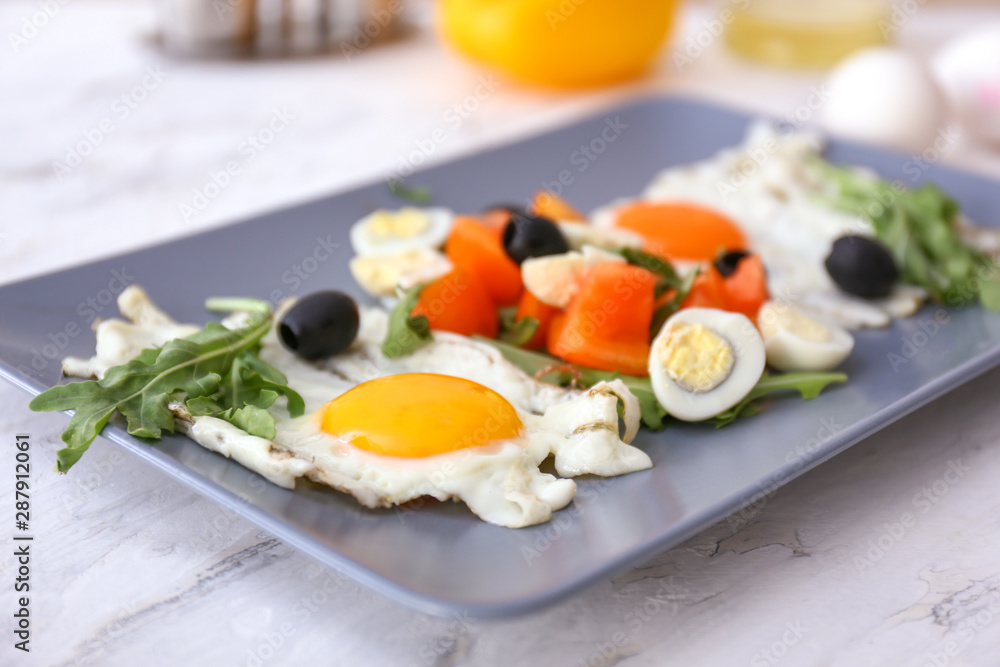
<point x="579" y="428"/>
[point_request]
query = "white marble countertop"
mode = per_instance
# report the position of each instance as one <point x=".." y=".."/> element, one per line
<point x="823" y="573"/>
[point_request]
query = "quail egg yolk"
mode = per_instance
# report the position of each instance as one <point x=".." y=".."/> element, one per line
<point x="415" y="415"/>
<point x="405" y="223"/>
<point x="695" y="357"/>
<point x="792" y="321"/>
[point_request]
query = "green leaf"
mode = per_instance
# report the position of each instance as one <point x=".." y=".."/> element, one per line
<point x="235" y="304"/>
<point x="652" y="263"/>
<point x="514" y="331"/>
<point x="215" y="370"/>
<point x="253" y="420"/>
<point x="417" y="195"/>
<point x="918" y="228"/>
<point x="406" y="333"/>
<point x="809" y="386"/>
<point x="673" y="304"/>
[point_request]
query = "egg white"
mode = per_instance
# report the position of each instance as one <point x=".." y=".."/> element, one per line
<point x="500" y="481"/>
<point x="767" y="188"/>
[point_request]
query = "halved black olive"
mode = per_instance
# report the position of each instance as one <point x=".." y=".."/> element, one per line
<point x="862" y="266"/>
<point x="320" y="325"/>
<point x="726" y="264"/>
<point x="532" y="236"/>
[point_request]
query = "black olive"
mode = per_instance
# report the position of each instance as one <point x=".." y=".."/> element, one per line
<point x="726" y="264"/>
<point x="532" y="236"/>
<point x="320" y="325"/>
<point x="510" y="208"/>
<point x="862" y="266"/>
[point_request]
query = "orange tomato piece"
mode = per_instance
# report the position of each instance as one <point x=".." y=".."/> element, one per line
<point x="708" y="290"/>
<point x="746" y="287"/>
<point x="458" y="302"/>
<point x="530" y="306"/>
<point x="552" y="207"/>
<point x="606" y="326"/>
<point x="479" y="250"/>
<point x="681" y="231"/>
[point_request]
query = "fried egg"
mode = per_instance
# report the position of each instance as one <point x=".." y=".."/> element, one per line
<point x="768" y="188"/>
<point x="454" y="420"/>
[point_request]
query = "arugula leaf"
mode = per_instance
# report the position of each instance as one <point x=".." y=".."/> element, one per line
<point x="417" y="195"/>
<point x="673" y="304"/>
<point x="652" y="263"/>
<point x="918" y="228"/>
<point x="516" y="332"/>
<point x="809" y="385"/>
<point x="193" y="368"/>
<point x="406" y="333"/>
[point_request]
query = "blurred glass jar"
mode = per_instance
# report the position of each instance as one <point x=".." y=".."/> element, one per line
<point x="213" y="28"/>
<point x="806" y="33"/>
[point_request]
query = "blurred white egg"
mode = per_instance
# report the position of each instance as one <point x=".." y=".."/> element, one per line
<point x="385" y="232"/>
<point x="796" y="342"/>
<point x="968" y="70"/>
<point x="883" y="96"/>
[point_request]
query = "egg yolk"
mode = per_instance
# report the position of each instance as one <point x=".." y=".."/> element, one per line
<point x="681" y="231"/>
<point x="415" y="415"/>
<point x="695" y="357"/>
<point x="405" y="223"/>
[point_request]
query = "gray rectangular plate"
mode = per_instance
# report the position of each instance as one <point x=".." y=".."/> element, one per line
<point x="440" y="558"/>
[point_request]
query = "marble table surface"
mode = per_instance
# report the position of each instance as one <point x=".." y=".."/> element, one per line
<point x="888" y="554"/>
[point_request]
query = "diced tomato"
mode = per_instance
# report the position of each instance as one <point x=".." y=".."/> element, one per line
<point x="552" y="207"/>
<point x="746" y="287"/>
<point x="458" y="302"/>
<point x="606" y="326"/>
<point x="479" y="250"/>
<point x="681" y="231"/>
<point x="708" y="290"/>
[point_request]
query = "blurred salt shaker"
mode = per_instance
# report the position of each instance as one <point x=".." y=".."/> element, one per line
<point x="208" y="27"/>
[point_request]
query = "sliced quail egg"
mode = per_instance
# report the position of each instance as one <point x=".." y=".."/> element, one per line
<point x="796" y="342"/>
<point x="385" y="232"/>
<point x="704" y="361"/>
<point x="379" y="275"/>
<point x="555" y="279"/>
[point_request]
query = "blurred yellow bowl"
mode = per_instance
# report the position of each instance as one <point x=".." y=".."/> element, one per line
<point x="560" y="43"/>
